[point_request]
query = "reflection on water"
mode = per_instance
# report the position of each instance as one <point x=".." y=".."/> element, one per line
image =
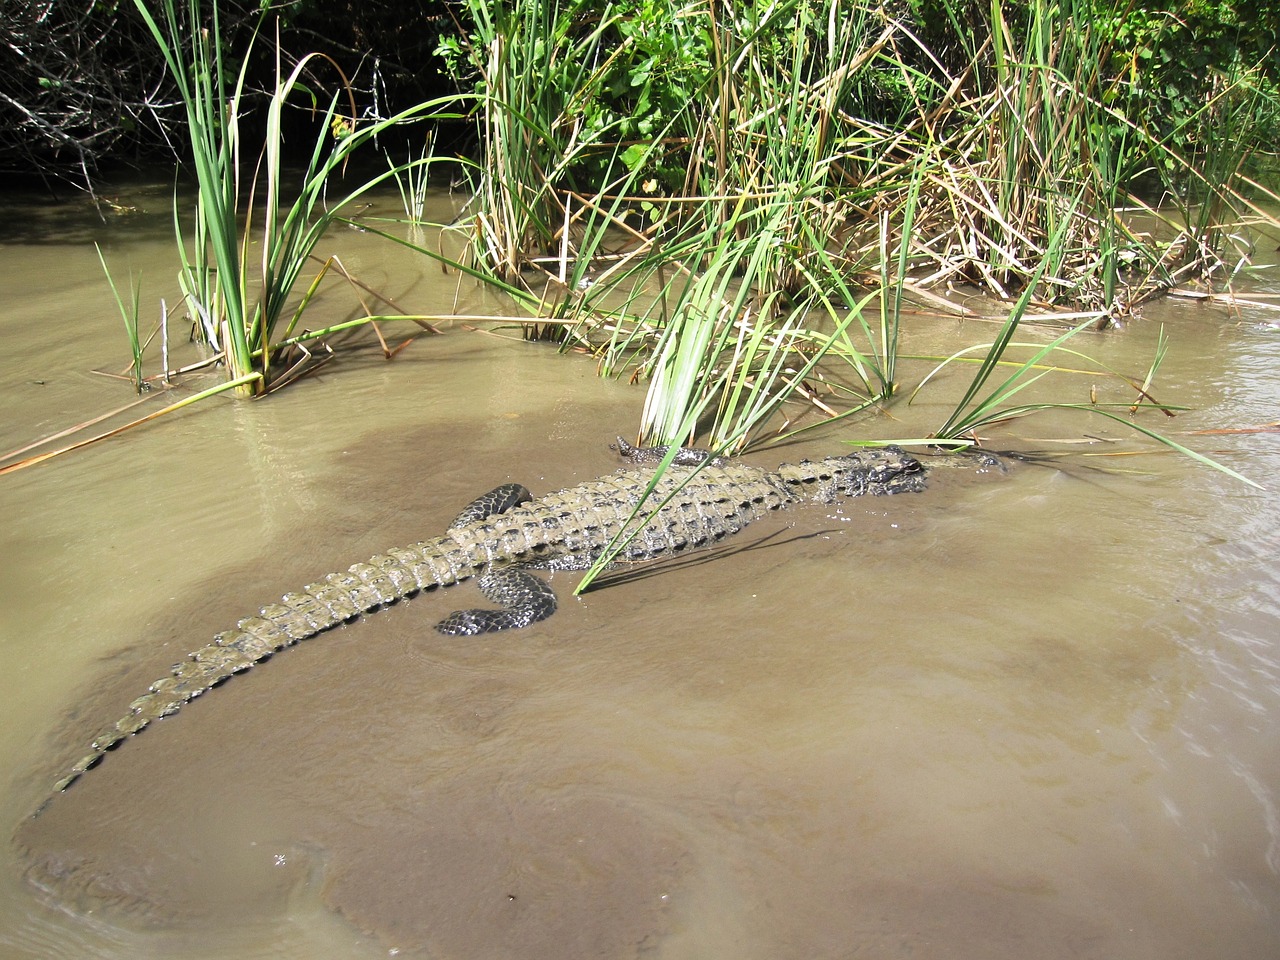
<point x="1022" y="715"/>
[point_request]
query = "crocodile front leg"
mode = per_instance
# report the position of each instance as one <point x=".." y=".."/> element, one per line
<point x="496" y="501"/>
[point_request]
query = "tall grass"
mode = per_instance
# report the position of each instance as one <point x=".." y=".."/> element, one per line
<point x="255" y="225"/>
<point x="760" y="241"/>
<point x="536" y="67"/>
<point x="129" y="312"/>
<point x="413" y="180"/>
<point x="1212" y="194"/>
<point x="751" y="272"/>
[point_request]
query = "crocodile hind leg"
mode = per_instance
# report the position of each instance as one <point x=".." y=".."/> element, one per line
<point x="524" y="598"/>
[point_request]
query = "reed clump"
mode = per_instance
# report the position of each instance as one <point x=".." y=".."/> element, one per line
<point x="741" y="211"/>
<point x="742" y="204"/>
<point x="248" y="242"/>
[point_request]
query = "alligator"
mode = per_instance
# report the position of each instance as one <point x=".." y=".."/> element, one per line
<point x="698" y="500"/>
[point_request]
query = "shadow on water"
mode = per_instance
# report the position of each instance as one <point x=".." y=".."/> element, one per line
<point x="143" y="211"/>
<point x="1023" y="714"/>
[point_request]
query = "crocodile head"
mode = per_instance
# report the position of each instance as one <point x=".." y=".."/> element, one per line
<point x="883" y="471"/>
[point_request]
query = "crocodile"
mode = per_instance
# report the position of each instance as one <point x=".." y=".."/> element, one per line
<point x="698" y="500"/>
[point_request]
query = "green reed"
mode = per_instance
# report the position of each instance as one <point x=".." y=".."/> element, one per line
<point x="536" y="69"/>
<point x="413" y="180"/>
<point x="129" y="312"/>
<point x="739" y="292"/>
<point x="255" y="225"/>
<point x="762" y="237"/>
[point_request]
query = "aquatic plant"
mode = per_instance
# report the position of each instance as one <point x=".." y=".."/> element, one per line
<point x="758" y="238"/>
<point x="413" y="180"/>
<point x="536" y="70"/>
<point x="129" y="312"/>
<point x="242" y="300"/>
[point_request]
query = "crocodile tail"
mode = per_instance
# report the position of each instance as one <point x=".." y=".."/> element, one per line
<point x="338" y="598"/>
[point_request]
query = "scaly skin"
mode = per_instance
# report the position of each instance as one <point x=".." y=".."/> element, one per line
<point x="501" y="534"/>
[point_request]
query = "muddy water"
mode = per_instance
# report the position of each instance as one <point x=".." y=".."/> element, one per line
<point x="1030" y="714"/>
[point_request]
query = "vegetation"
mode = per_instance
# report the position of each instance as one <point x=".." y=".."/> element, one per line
<point x="737" y="202"/>
<point x="741" y="204"/>
<point x="244" y="308"/>
<point x="87" y="89"/>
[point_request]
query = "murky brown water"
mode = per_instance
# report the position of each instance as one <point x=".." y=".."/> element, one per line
<point x="1031" y="715"/>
